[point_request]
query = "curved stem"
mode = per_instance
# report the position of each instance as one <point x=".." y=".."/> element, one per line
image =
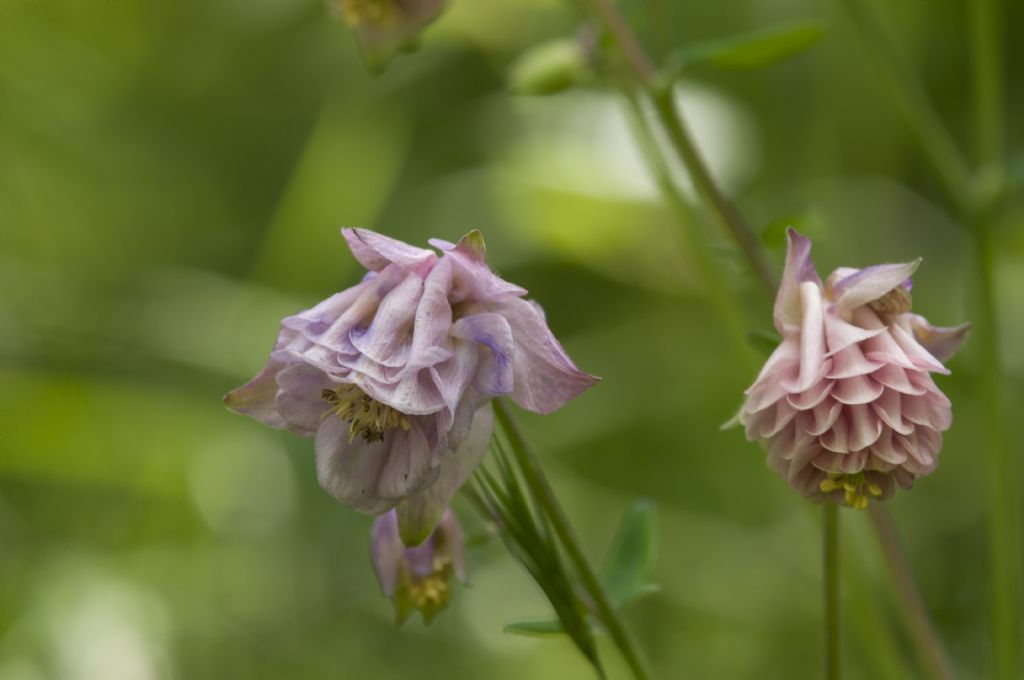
<point x="830" y="565"/>
<point x="926" y="640"/>
<point x="539" y="485"/>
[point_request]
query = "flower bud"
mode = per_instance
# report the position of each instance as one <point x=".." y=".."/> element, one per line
<point x="383" y="28"/>
<point x="418" y="577"/>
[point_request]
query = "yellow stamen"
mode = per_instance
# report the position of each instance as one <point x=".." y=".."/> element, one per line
<point x="856" y="488"/>
<point x="367" y="417"/>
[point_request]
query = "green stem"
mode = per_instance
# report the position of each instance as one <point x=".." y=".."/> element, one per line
<point x="926" y="640"/>
<point x="1004" y="503"/>
<point x="539" y="485"/>
<point x="830" y="564"/>
<point x="661" y="95"/>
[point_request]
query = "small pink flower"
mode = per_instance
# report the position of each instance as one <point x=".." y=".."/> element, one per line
<point x="846" y="405"/>
<point x="417" y="577"/>
<point x="394" y="375"/>
<point x="383" y="28"/>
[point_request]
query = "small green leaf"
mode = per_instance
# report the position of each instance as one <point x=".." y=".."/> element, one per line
<point x="535" y="628"/>
<point x="633" y="554"/>
<point x="549" y="68"/>
<point x="751" y="50"/>
<point x="764" y="341"/>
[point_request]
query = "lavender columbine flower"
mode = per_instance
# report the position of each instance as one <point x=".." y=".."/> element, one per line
<point x="845" y="406"/>
<point x="383" y="28"/>
<point x="394" y="375"/>
<point x="418" y="577"/>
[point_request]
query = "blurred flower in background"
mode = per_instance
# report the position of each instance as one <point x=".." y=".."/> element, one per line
<point x="384" y="28"/>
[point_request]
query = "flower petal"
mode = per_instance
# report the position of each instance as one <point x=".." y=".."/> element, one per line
<point x="375" y="251"/>
<point x="545" y="377"/>
<point x="941" y="343"/>
<point x="421" y="512"/>
<point x="386" y="552"/>
<point x="494" y="375"/>
<point x="256" y="398"/>
<point x="799" y="269"/>
<point x="869" y="284"/>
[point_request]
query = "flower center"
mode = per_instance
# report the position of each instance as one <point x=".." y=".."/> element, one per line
<point x="370" y="12"/>
<point x="896" y="301"/>
<point x="857" y="490"/>
<point x="367" y="417"/>
<point x="429" y="594"/>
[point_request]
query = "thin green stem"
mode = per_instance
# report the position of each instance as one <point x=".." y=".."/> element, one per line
<point x="663" y="100"/>
<point x="688" y="235"/>
<point x="1004" y="503"/>
<point x="926" y="640"/>
<point x="545" y="495"/>
<point x="830" y="566"/>
<point x="937" y="145"/>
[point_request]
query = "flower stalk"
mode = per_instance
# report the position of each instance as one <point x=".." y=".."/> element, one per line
<point x="545" y="496"/>
<point x="830" y="566"/>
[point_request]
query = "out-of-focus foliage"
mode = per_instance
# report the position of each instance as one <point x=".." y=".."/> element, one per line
<point x="172" y="178"/>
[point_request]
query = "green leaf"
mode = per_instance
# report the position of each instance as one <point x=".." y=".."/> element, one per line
<point x="751" y="50"/>
<point x="764" y="341"/>
<point x="535" y="628"/>
<point x="633" y="555"/>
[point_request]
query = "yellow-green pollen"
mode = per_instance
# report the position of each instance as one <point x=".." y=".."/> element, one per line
<point x="367" y="417"/>
<point x="370" y="12"/>
<point x="857" y="490"/>
<point x="430" y="593"/>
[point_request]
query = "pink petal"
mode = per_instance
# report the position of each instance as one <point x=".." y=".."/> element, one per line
<point x="544" y="375"/>
<point x="836" y="438"/>
<point x="299" y="400"/>
<point x="815" y="395"/>
<point x="942" y="343"/>
<point x="824" y="415"/>
<point x="419" y="514"/>
<point x="888" y="407"/>
<point x="388" y="338"/>
<point x="433" y="319"/>
<point x="851" y="362"/>
<point x="492" y="331"/>
<point x="386" y="552"/>
<point x="812" y="336"/>
<point x="896" y="378"/>
<point x="375" y="251"/>
<point x="886" y="449"/>
<point x="256" y="397"/>
<point x="869" y="284"/>
<point x="865" y="427"/>
<point x="799" y="269"/>
<point x="841" y="334"/>
<point x="860" y="389"/>
<point x="917" y="354"/>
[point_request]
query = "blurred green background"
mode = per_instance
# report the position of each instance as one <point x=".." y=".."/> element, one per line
<point x="172" y="180"/>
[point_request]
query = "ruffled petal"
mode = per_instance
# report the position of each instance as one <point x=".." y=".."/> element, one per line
<point x="545" y="377"/>
<point x="869" y="284"/>
<point x="941" y="343"/>
<point x="799" y="269"/>
<point x="256" y="398"/>
<point x="387" y="340"/>
<point x="494" y="374"/>
<point x="421" y="512"/>
<point x="376" y="251"/>
<point x="386" y="552"/>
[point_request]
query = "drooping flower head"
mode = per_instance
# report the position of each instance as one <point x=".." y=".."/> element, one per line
<point x="393" y="376"/>
<point x="418" y="577"/>
<point x="846" y="407"/>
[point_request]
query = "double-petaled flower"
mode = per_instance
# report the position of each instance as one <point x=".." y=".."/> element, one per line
<point x="846" y="407"/>
<point x="393" y="376"/>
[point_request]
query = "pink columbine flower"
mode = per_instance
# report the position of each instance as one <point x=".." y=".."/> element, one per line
<point x="418" y="577"/>
<point x="393" y="376"/>
<point x="846" y="406"/>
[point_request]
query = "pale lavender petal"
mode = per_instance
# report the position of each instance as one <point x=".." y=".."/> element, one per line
<point x="386" y="552"/>
<point x="375" y="251"/>
<point x="917" y="354"/>
<point x="388" y="338"/>
<point x="812" y="336"/>
<point x="256" y="397"/>
<point x="299" y="400"/>
<point x="473" y="279"/>
<point x="544" y="375"/>
<point x="495" y="373"/>
<point x="941" y="342"/>
<point x="799" y="269"/>
<point x="869" y="284"/>
<point x="433" y="319"/>
<point x="420" y="513"/>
